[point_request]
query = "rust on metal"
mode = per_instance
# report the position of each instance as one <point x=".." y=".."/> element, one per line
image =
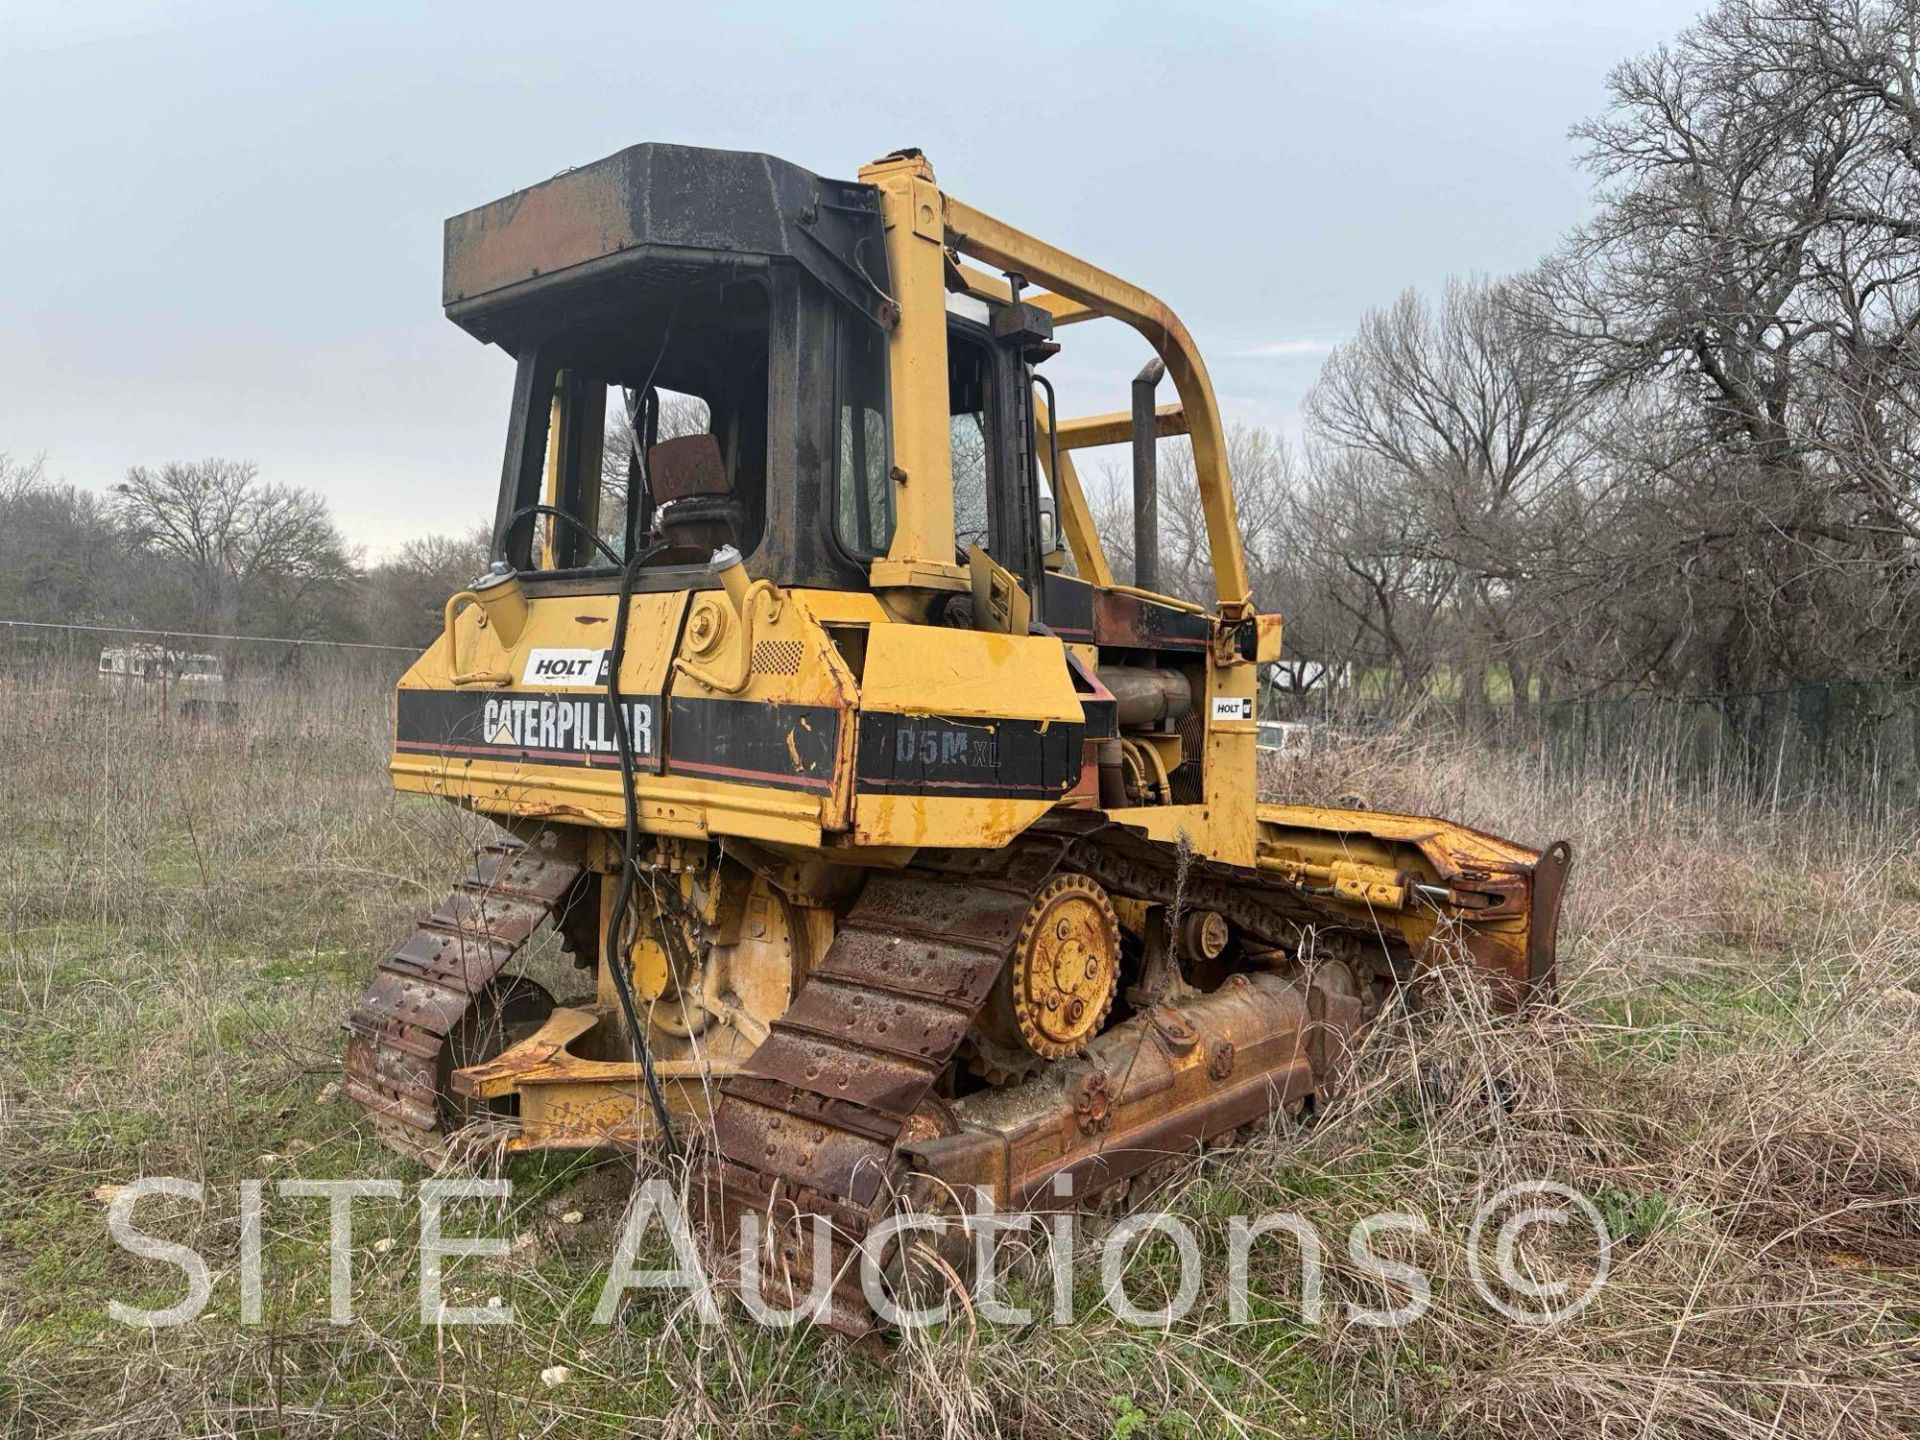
<point x="826" y="1099"/>
<point x="1137" y="622"/>
<point x="830" y="1117"/>
<point x="398" y="1029"/>
<point x="1055" y="991"/>
<point x="938" y="892"/>
<point x="685" y="466"/>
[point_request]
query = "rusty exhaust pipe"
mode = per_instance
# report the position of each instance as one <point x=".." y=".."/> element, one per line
<point x="1146" y="479"/>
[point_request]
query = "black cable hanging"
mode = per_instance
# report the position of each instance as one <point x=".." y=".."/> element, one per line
<point x="623" y="736"/>
<point x="630" y="852"/>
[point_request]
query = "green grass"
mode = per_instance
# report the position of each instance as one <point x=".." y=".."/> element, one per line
<point x="189" y="915"/>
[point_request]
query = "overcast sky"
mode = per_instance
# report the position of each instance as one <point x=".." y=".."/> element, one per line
<point x="220" y="225"/>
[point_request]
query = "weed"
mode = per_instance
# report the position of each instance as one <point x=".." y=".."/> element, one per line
<point x="1732" y="1071"/>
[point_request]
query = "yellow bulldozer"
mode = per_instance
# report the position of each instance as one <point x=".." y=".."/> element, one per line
<point x="906" y="845"/>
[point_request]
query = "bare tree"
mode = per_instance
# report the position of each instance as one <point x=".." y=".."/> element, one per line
<point x="1755" y="261"/>
<point x="1262" y="469"/>
<point x="1370" y="601"/>
<point x="404" y="598"/>
<point x="1464" y="419"/>
<point x="1684" y="452"/>
<point x="243" y="555"/>
<point x="61" y="556"/>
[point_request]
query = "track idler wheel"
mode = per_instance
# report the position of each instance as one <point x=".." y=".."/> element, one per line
<point x="1054" y="995"/>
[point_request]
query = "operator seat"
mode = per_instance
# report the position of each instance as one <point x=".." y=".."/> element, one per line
<point x="698" y="511"/>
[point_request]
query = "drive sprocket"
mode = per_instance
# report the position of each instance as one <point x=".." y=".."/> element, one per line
<point x="1059" y="984"/>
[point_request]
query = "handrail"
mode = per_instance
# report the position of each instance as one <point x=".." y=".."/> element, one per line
<point x="975" y="233"/>
<point x="472" y="677"/>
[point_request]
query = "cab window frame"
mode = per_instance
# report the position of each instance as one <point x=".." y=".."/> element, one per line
<point x="1013" y="521"/>
<point x="538" y="372"/>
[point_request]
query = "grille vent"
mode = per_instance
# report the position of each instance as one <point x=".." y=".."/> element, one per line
<point x="777" y="657"/>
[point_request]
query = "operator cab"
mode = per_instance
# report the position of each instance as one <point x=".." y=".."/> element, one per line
<point x="658" y="428"/>
<point x="651" y="424"/>
<point x="692" y="421"/>
<point x="714" y="294"/>
<point x="701" y="372"/>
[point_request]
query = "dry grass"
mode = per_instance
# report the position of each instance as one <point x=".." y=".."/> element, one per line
<point x="1733" y="1074"/>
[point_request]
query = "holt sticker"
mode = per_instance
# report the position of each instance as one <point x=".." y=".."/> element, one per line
<point x="566" y="669"/>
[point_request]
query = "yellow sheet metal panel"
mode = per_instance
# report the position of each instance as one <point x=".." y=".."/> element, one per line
<point x="946" y="822"/>
<point x="887" y="573"/>
<point x="1267" y="641"/>
<point x="842" y="607"/>
<point x="929" y="670"/>
<point x="550" y="712"/>
<point x="760" y="698"/>
<point x="771" y="760"/>
<point x="691" y="809"/>
<point x="1345" y="829"/>
<point x="539" y="744"/>
<point x="1232" y="758"/>
<point x="966" y="738"/>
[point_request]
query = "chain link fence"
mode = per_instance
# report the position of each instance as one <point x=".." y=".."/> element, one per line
<point x="1852" y="743"/>
<point x="28" y="648"/>
<point x="1856" y="742"/>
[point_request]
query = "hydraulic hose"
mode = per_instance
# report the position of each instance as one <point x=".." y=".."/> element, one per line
<point x="630" y="853"/>
<point x="623" y="736"/>
<point x="556" y="513"/>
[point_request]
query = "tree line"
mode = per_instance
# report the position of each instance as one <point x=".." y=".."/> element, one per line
<point x="1682" y="453"/>
<point x="209" y="547"/>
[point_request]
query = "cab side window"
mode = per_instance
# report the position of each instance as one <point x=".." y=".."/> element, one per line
<point x="864" y="494"/>
<point x="969" y="382"/>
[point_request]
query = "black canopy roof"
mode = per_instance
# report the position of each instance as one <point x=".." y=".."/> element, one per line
<point x="651" y="217"/>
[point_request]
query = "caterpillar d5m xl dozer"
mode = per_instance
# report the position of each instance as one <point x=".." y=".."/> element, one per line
<point x="906" y="845"/>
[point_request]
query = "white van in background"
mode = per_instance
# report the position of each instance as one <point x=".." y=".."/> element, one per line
<point x="188" y="684"/>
